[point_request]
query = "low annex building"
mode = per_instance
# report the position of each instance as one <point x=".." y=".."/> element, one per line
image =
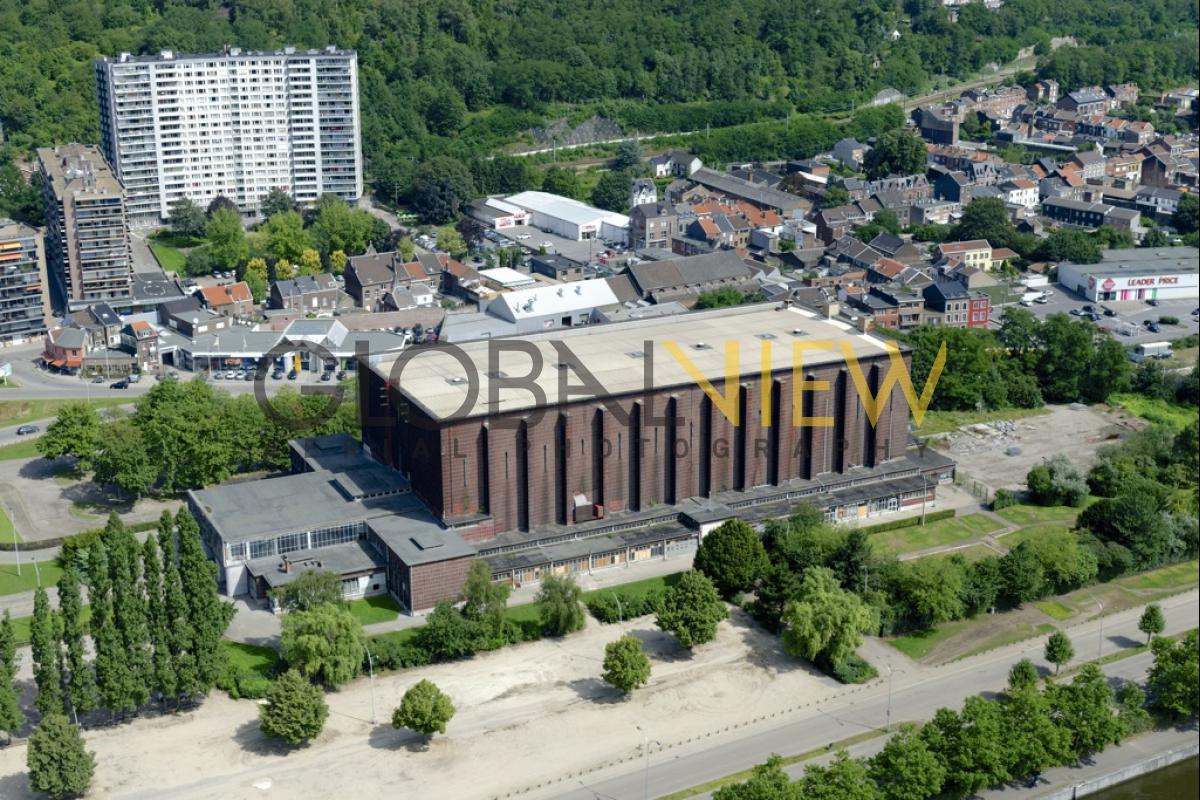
<point x="1166" y="273"/>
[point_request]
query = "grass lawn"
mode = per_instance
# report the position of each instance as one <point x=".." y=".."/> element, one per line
<point x="1175" y="576"/>
<point x="524" y="613"/>
<point x="18" y="412"/>
<point x="920" y="644"/>
<point x="1026" y="514"/>
<point x="169" y="258"/>
<point x="1017" y="633"/>
<point x="638" y="589"/>
<point x="1053" y="608"/>
<point x="9" y="383"/>
<point x="166" y="237"/>
<point x="7" y="534"/>
<point x="375" y="609"/>
<point x="24" y="448"/>
<point x="11" y="583"/>
<point x="400" y="636"/>
<point x="946" y="421"/>
<point x="1043" y="530"/>
<point x="252" y="657"/>
<point x="1157" y="411"/>
<point x="934" y="534"/>
<point x="972" y="553"/>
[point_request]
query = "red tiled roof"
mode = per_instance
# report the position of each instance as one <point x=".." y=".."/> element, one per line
<point x="888" y="267"/>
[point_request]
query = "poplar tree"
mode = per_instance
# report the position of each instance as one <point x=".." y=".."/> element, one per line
<point x="110" y="662"/>
<point x="208" y="615"/>
<point x="176" y="614"/>
<point x="11" y="717"/>
<point x="129" y="612"/>
<point x="162" y="664"/>
<point x="43" y="638"/>
<point x="80" y="682"/>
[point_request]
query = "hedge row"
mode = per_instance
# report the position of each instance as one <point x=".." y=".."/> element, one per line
<point x="908" y="522"/>
<point x="72" y="544"/>
<point x="616" y="606"/>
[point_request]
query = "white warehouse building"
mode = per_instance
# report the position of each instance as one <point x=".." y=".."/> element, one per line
<point x="571" y="219"/>
<point x="234" y="124"/>
<point x="1151" y="273"/>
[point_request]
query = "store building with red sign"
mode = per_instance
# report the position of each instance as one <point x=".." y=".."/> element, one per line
<point x="1160" y="273"/>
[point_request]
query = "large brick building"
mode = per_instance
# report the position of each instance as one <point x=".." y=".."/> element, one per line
<point x="488" y="458"/>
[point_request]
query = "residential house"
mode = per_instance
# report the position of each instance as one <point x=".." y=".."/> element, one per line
<point x="1088" y="100"/>
<point x="190" y="318"/>
<point x="888" y="95"/>
<point x="1157" y="201"/>
<point x="1122" y="94"/>
<point x="683" y="279"/>
<point x="933" y="212"/>
<point x="851" y="153"/>
<point x="1020" y="192"/>
<point x="849" y="250"/>
<point x="1088" y="214"/>
<point x="909" y="306"/>
<point x="653" y="225"/>
<point x="956" y="306"/>
<point x="460" y="280"/>
<point x="935" y="127"/>
<point x="64" y="349"/>
<point x="1043" y="91"/>
<point x="369" y="277"/>
<point x="1089" y="164"/>
<point x="976" y="252"/>
<point x="953" y="186"/>
<point x="140" y="338"/>
<point x="307" y="293"/>
<point x="1127" y="167"/>
<point x="230" y="299"/>
<point x="679" y="163"/>
<point x="885" y="270"/>
<point x="642" y="191"/>
<point x="100" y="324"/>
<point x="894" y="247"/>
<point x="834" y="223"/>
<point x="760" y="195"/>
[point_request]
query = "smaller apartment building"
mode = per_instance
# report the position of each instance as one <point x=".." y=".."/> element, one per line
<point x="24" y="300"/>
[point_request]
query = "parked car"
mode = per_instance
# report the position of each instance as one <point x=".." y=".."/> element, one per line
<point x="99" y="379"/>
<point x="326" y="376"/>
<point x="1043" y="299"/>
<point x="341" y="376"/>
<point x="1108" y="312"/>
<point x="1086" y="307"/>
<point x="1077" y="312"/>
<point x="1152" y="302"/>
<point x="1153" y="327"/>
<point x="121" y="384"/>
<point x="25" y="430"/>
<point x="546" y="245"/>
<point x="292" y="375"/>
<point x="522" y="236"/>
<point x="277" y="374"/>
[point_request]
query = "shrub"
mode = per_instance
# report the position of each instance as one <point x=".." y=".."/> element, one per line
<point x="389" y="654"/>
<point x="1167" y="319"/>
<point x="614" y="606"/>
<point x="853" y="669"/>
<point x="1003" y="499"/>
<point x="907" y="522"/>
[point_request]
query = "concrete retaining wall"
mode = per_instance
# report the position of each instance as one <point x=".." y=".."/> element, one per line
<point x="1172" y="756"/>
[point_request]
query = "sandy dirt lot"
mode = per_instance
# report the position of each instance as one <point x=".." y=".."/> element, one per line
<point x="526" y="714"/>
<point x="981" y="450"/>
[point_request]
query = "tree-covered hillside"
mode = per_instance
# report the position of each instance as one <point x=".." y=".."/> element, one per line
<point x="462" y="77"/>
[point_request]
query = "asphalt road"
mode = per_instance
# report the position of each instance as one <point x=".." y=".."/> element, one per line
<point x="916" y="692"/>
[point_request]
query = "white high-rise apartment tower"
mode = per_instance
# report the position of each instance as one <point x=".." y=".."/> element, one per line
<point x="236" y="124"/>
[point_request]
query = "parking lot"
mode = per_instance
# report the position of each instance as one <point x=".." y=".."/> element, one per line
<point x="1130" y="316"/>
<point x="533" y="239"/>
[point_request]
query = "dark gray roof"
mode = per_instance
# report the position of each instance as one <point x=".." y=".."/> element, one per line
<point x="305" y="284"/>
<point x="373" y="268"/>
<point x="688" y="271"/>
<point x="418" y="539"/>
<point x="340" y="559"/>
<point x="755" y="193"/>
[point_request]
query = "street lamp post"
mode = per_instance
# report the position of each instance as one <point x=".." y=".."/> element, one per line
<point x="371" y="679"/>
<point x="646" y="772"/>
<point x="16" y="547"/>
<point x="888" y="723"/>
<point x="1100" y="617"/>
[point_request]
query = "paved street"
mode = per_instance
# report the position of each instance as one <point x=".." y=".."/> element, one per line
<point x="915" y="693"/>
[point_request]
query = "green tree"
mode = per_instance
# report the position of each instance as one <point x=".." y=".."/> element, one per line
<point x="1034" y="742"/>
<point x="446" y="113"/>
<point x="111" y="664"/>
<point x="906" y="769"/>
<point x="161" y="660"/>
<point x="1022" y="573"/>
<point x="1069" y="244"/>
<point x="424" y="708"/>
<point x="1108" y="371"/>
<point x="314" y="588"/>
<point x="1059" y="650"/>
<point x="227" y="243"/>
<point x="561" y="181"/>
<point x="1152" y="621"/>
<point x="440" y="187"/>
<point x="406" y="249"/>
<point x="75" y="432"/>
<point x="220" y="203"/>
<point x="187" y="219"/>
<point x="1174" y="681"/>
<point x="1131" y="708"/>
<point x="324" y="643"/>
<point x="825" y="622"/>
<point x="1023" y="674"/>
<point x="612" y="191"/>
<point x="896" y="152"/>
<point x="725" y="297"/>
<point x="295" y="711"/>
<point x="11" y="717"/>
<point x="43" y="639"/>
<point x="559" y="606"/>
<point x="129" y="613"/>
<point x="971" y="745"/>
<point x="123" y="460"/>
<point x="286" y="237"/>
<point x="338" y="261"/>
<point x="59" y="764"/>
<point x="1066" y="348"/>
<point x="1156" y="237"/>
<point x="844" y="779"/>
<point x="275" y="201"/>
<point x="451" y="241"/>
<point x="985" y="218"/>
<point x="732" y="556"/>
<point x="625" y="665"/>
<point x="834" y="196"/>
<point x="309" y="263"/>
<point x="629" y="155"/>
<point x="691" y="610"/>
<point x="931" y="589"/>
<point x="80" y="681"/>
<point x="182" y="641"/>
<point x="207" y="614"/>
<point x="257" y="279"/>
<point x="1084" y="708"/>
<point x="485" y="602"/>
<point x="337" y="226"/>
<point x="766" y="782"/>
<point x="1186" y="218"/>
<point x="448" y="634"/>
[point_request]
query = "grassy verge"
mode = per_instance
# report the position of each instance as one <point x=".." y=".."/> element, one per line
<point x="21" y="625"/>
<point x="946" y="421"/>
<point x="1037" y="531"/>
<point x="399" y="637"/>
<point x="7" y="532"/>
<point x="251" y="657"/>
<point x="27" y="581"/>
<point x="935" y="534"/>
<point x="639" y="589"/>
<point x="1017" y="633"/>
<point x="19" y="412"/>
<point x="375" y="609"/>
<point x="169" y="258"/>
<point x="1175" y="576"/>
<point x="1053" y="608"/>
<point x="921" y="643"/>
<point x="1027" y="514"/>
<point x="713" y="785"/>
<point x="25" y="448"/>
<point x="1157" y="411"/>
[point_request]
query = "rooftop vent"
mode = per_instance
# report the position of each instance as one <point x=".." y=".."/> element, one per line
<point x="702" y="346"/>
<point x="636" y="354"/>
<point x="764" y="336"/>
<point x="499" y="373"/>
<point x="799" y="332"/>
<point x="457" y="381"/>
